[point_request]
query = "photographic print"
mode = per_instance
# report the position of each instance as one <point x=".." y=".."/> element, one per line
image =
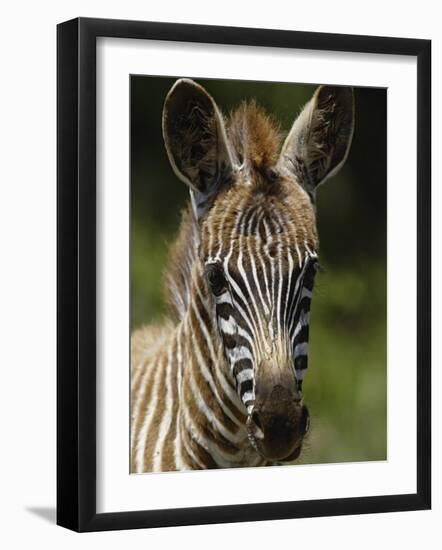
<point x="224" y="226"/>
<point x="257" y="274"/>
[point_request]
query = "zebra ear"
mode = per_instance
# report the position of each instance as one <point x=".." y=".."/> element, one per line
<point x="320" y="138"/>
<point x="196" y="142"/>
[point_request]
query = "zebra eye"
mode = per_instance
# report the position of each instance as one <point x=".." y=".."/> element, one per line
<point x="216" y="278"/>
<point x="318" y="267"/>
<point x="312" y="269"/>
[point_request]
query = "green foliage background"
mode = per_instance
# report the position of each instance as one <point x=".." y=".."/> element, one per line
<point x="346" y="383"/>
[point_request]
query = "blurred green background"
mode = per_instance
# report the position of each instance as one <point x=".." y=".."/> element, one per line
<point x="346" y="383"/>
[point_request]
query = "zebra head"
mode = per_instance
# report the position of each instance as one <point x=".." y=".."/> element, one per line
<point x="258" y="246"/>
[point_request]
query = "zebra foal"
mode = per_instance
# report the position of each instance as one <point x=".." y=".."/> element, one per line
<point x="221" y="385"/>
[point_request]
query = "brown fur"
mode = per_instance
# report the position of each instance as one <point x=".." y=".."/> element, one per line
<point x="182" y="255"/>
<point x="255" y="137"/>
<point x="145" y="343"/>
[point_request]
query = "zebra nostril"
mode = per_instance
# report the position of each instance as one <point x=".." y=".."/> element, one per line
<point x="256" y="420"/>
<point x="298" y="397"/>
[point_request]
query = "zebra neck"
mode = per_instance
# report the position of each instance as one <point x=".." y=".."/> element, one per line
<point x="213" y="422"/>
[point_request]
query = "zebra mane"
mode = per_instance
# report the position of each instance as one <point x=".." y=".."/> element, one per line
<point x="255" y="139"/>
<point x="182" y="255"/>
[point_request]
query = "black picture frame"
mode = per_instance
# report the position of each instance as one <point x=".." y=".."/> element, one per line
<point x="76" y="273"/>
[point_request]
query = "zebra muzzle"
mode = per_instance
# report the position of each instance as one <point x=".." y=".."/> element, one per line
<point x="279" y="419"/>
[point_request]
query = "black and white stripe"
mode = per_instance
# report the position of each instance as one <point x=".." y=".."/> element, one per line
<point x="264" y="306"/>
